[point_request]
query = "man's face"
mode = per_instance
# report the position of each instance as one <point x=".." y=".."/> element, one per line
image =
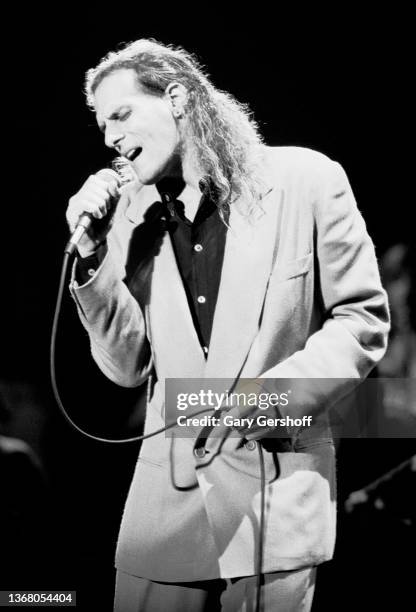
<point x="138" y="125"/>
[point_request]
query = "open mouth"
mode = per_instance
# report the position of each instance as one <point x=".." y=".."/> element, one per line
<point x="134" y="154"/>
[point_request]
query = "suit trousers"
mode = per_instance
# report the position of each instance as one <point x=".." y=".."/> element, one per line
<point x="280" y="592"/>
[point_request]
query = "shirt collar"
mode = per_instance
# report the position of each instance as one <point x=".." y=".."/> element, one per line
<point x="170" y="188"/>
<point x="175" y="185"/>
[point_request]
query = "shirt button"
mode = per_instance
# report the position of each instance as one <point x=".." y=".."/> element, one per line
<point x="91" y="271"/>
<point x="198" y="248"/>
<point x="201" y="299"/>
<point x="251" y="445"/>
<point x="205" y="349"/>
<point x="199" y="452"/>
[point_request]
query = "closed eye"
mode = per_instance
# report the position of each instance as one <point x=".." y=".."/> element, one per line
<point x="119" y="115"/>
<point x="123" y="116"/>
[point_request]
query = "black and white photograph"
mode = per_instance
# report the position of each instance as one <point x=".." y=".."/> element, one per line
<point x="208" y="389"/>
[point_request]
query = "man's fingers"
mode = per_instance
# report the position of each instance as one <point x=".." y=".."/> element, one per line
<point x="108" y="179"/>
<point x="97" y="197"/>
<point x="106" y="188"/>
<point x="108" y="174"/>
<point x="99" y="188"/>
<point x="94" y="206"/>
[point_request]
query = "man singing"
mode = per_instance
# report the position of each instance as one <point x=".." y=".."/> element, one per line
<point x="225" y="258"/>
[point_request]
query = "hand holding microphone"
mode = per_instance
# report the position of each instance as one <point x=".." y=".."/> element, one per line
<point x="90" y="211"/>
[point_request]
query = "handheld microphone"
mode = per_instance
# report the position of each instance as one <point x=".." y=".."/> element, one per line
<point x="125" y="175"/>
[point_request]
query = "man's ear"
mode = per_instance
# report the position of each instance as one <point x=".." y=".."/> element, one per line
<point x="177" y="95"/>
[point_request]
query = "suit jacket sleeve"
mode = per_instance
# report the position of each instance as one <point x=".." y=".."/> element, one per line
<point x="353" y="336"/>
<point x="114" y="322"/>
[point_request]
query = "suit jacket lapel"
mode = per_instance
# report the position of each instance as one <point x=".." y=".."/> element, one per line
<point x="248" y="258"/>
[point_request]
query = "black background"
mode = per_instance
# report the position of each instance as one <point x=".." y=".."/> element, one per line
<point x="334" y="82"/>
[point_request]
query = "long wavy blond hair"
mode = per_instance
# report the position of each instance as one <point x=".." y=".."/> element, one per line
<point x="221" y="132"/>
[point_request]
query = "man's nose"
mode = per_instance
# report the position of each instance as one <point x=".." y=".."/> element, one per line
<point x="112" y="139"/>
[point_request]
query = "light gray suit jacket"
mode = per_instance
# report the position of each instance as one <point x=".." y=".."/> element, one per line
<point x="300" y="297"/>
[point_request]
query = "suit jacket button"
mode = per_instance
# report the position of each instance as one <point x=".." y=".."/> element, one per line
<point x="199" y="452"/>
<point x="251" y="445"/>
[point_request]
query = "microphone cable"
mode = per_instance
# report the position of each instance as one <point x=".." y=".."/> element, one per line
<point x="259" y="560"/>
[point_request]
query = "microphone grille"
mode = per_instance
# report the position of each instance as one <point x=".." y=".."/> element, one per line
<point x="124" y="170"/>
